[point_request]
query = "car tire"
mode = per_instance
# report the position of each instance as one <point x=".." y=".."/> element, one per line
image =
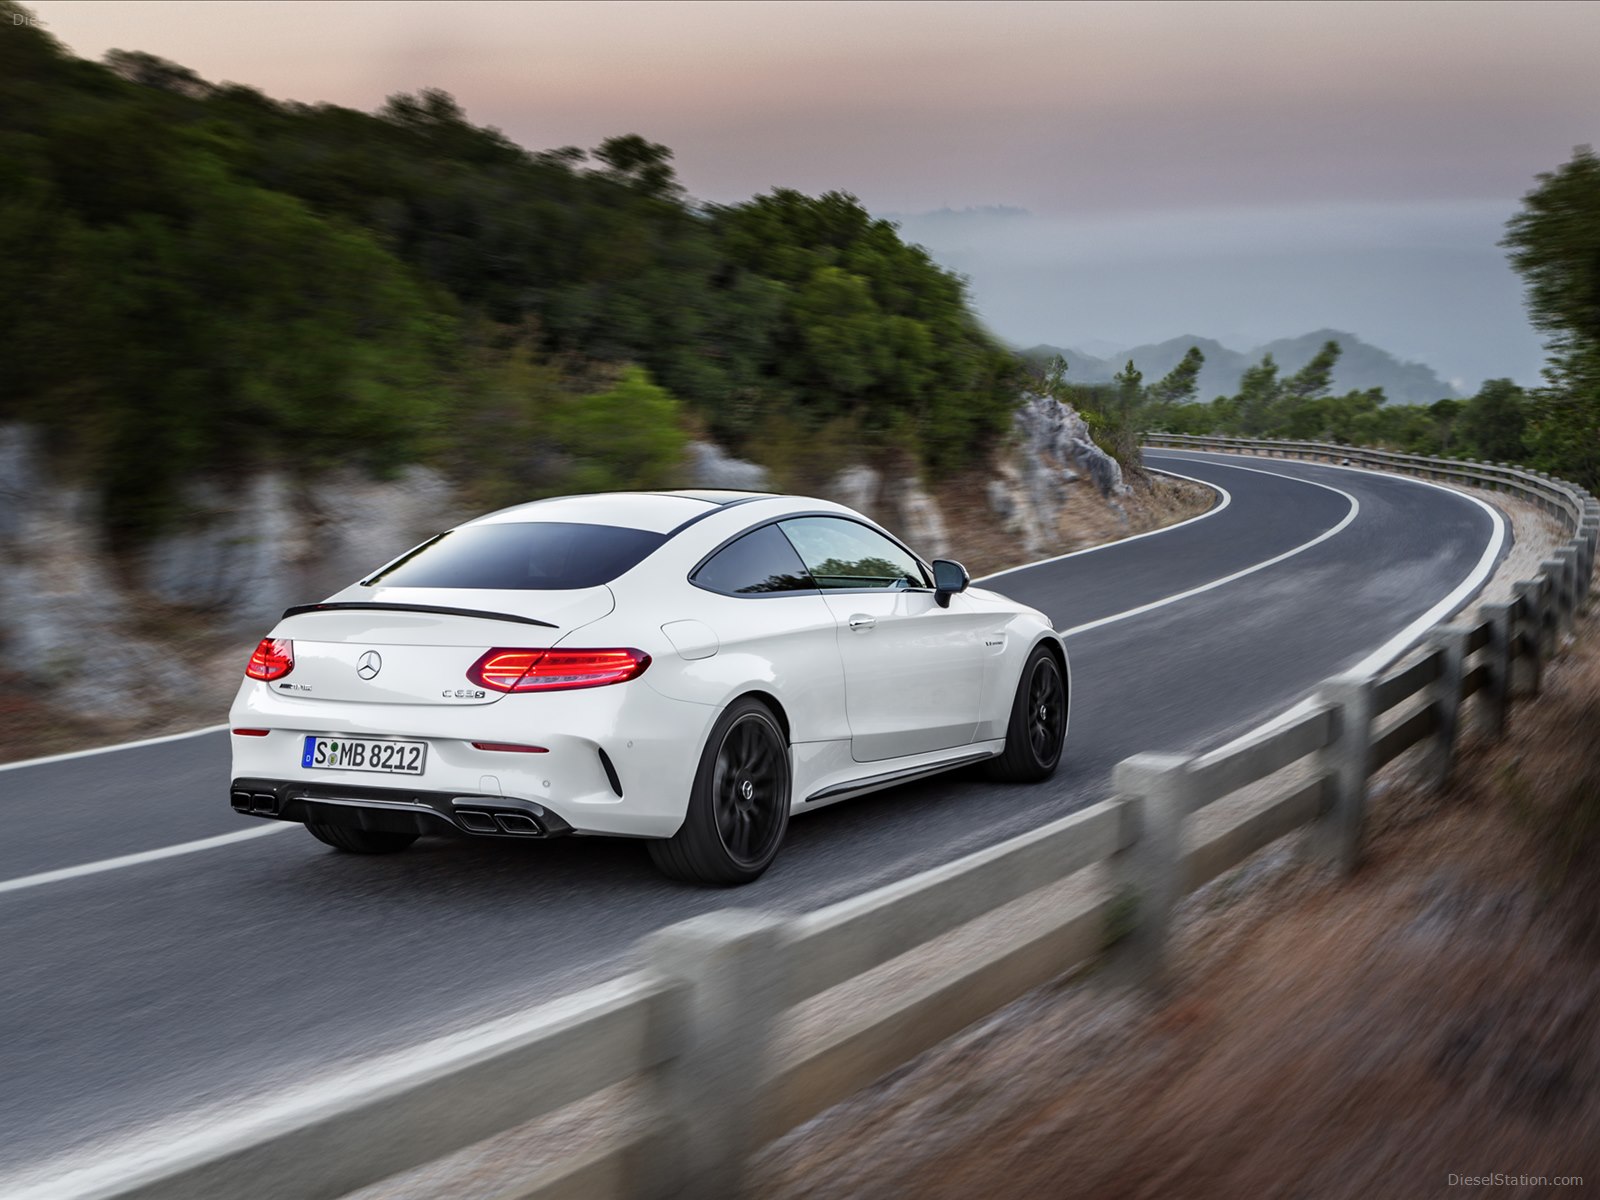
<point x="360" y="841"/>
<point x="738" y="805"/>
<point x="1038" y="726"/>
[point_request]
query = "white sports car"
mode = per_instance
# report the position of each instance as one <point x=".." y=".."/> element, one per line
<point x="690" y="667"/>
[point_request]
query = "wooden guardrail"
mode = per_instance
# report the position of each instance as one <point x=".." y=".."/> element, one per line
<point x="696" y="1023"/>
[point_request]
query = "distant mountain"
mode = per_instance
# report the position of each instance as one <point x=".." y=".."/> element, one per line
<point x="1361" y="365"/>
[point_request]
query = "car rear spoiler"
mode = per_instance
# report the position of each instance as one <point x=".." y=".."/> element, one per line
<point x="335" y="606"/>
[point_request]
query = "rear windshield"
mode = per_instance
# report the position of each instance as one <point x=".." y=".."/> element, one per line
<point x="534" y="556"/>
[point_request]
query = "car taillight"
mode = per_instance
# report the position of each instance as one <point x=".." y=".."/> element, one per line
<point x="555" y="670"/>
<point x="273" y="659"/>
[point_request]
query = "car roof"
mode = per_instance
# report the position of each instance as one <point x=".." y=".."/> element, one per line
<point x="658" y="512"/>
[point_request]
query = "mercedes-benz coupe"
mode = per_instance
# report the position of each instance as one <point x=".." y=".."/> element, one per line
<point x="689" y="667"/>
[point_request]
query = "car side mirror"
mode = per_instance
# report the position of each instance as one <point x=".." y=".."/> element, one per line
<point x="949" y="577"/>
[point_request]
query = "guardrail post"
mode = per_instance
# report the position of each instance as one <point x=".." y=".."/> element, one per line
<point x="731" y="964"/>
<point x="1528" y="636"/>
<point x="1452" y="640"/>
<point x="1337" y="834"/>
<point x="1567" y="556"/>
<point x="1589" y="541"/>
<point x="1495" y="704"/>
<point x="1555" y="617"/>
<point x="1157" y="789"/>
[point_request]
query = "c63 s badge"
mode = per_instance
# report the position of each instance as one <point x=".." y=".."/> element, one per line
<point x="463" y="694"/>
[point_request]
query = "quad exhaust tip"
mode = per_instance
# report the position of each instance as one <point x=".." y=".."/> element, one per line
<point x="517" y="823"/>
<point x="257" y="804"/>
<point x="477" y="820"/>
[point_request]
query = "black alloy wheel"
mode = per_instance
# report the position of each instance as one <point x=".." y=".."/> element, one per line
<point x="750" y="770"/>
<point x="1038" y="726"/>
<point x="1047" y="711"/>
<point x="739" y="806"/>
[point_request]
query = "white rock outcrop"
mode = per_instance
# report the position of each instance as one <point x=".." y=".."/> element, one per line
<point x="708" y="465"/>
<point x="66" y="626"/>
<point x="858" y="487"/>
<point x="71" y="611"/>
<point x="1053" y="450"/>
<point x="921" y="520"/>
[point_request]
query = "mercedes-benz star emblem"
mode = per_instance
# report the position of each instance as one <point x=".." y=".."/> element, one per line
<point x="747" y="790"/>
<point x="369" y="664"/>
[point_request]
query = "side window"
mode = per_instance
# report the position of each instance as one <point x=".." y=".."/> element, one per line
<point x="843" y="554"/>
<point x="762" y="562"/>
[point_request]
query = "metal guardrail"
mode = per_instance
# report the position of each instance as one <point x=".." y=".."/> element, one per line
<point x="1554" y="495"/>
<point x="696" y="1024"/>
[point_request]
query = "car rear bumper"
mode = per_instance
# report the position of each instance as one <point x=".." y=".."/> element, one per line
<point x="613" y="760"/>
<point x="394" y="810"/>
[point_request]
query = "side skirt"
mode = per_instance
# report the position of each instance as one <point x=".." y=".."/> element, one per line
<point x="884" y="779"/>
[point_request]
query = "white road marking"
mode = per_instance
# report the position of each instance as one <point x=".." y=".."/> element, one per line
<point x="1412" y="633"/>
<point x="1476" y="578"/>
<point x="1355" y="509"/>
<point x="144" y="856"/>
<point x="154" y="741"/>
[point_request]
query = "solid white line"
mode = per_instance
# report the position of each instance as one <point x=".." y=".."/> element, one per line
<point x="144" y="856"/>
<point x="1475" y="579"/>
<point x="154" y="741"/>
<point x="1355" y="509"/>
<point x="1412" y="633"/>
<point x="1227" y="499"/>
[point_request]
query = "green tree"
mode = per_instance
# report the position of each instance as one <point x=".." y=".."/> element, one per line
<point x="629" y="436"/>
<point x="148" y="70"/>
<point x="1255" y="407"/>
<point x="640" y="164"/>
<point x="1312" y="381"/>
<point x="870" y="328"/>
<point x="1492" y="422"/>
<point x="1179" y="385"/>
<point x="1554" y="242"/>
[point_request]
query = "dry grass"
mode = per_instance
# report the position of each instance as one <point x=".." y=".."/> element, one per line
<point x="1438" y="1013"/>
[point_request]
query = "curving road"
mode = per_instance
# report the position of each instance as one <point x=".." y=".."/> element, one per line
<point x="167" y="990"/>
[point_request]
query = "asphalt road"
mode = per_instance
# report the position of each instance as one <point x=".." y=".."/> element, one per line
<point x="146" y="997"/>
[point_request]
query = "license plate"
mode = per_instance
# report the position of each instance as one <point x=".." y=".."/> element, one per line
<point x="383" y="755"/>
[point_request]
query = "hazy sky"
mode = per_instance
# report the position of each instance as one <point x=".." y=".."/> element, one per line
<point x="1236" y="170"/>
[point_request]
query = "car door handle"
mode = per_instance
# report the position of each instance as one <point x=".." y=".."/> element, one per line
<point x="861" y="622"/>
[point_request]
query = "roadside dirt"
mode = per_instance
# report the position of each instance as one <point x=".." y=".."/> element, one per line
<point x="1085" y="519"/>
<point x="1434" y="1018"/>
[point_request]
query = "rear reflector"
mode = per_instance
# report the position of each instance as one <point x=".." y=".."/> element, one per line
<point x="504" y="670"/>
<point x="273" y="659"/>
<point x="509" y="748"/>
<point x="251" y="732"/>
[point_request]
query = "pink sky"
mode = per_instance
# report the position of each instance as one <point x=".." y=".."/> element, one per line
<point x="1086" y="112"/>
<point x="920" y="105"/>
